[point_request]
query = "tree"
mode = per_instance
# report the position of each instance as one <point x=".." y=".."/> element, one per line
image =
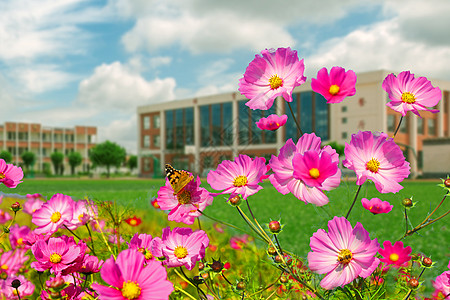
<point x="75" y="159"/>
<point x="6" y="156"/>
<point x="107" y="154"/>
<point x="132" y="162"/>
<point x="28" y="158"/>
<point x="57" y="160"/>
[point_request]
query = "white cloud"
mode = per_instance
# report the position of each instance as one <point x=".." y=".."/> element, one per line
<point x="123" y="132"/>
<point x="115" y="87"/>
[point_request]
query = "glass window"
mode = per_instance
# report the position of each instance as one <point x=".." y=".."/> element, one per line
<point x="189" y="125"/>
<point x="179" y="129"/>
<point x="156" y="121"/>
<point x="291" y="127"/>
<point x="227" y="130"/>
<point x="344" y="135"/>
<point x="204" y="126"/>
<point x="419" y="125"/>
<point x="306" y="112"/>
<point x="216" y="125"/>
<point x="404" y="125"/>
<point x="169" y="130"/>
<point x="391" y="123"/>
<point x="244" y="114"/>
<point x="344" y="109"/>
<point x="146" y="121"/>
<point x="11" y="135"/>
<point x="420" y="159"/>
<point x="431" y="127"/>
<point x="321" y="114"/>
<point x="344" y="120"/>
<point x="146" y="141"/>
<point x="256" y="132"/>
<point x="156" y="141"/>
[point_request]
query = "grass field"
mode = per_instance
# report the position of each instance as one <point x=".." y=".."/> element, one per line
<point x="300" y="220"/>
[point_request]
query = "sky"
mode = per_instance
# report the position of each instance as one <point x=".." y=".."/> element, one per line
<point x="93" y="62"/>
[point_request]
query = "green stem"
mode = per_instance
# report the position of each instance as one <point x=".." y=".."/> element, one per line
<point x="354" y="201"/>
<point x="92" y="240"/>
<point x="295" y="119"/>
<point x="398" y="127"/>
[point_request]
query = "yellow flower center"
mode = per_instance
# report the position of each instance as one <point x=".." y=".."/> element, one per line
<point x="133" y="222"/>
<point x="407" y="97"/>
<point x="80" y="217"/>
<point x="184" y="197"/>
<point x="180" y="252"/>
<point x="55" y="258"/>
<point x="20" y="241"/>
<point x="4" y="267"/>
<point x="275" y="82"/>
<point x="148" y="255"/>
<point x="131" y="290"/>
<point x="334" y="89"/>
<point x="240" y="181"/>
<point x="314" y="173"/>
<point x="345" y="256"/>
<point x="2" y="175"/>
<point x="394" y="257"/>
<point x="56" y="216"/>
<point x="373" y="165"/>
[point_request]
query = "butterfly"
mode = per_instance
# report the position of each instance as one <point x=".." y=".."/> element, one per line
<point x="178" y="178"/>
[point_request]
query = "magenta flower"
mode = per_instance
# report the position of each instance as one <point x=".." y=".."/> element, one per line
<point x="147" y="245"/>
<point x="4" y="217"/>
<point x="57" y="254"/>
<point x="376" y="206"/>
<point x="129" y="279"/>
<point x="240" y="177"/>
<point x="182" y="247"/>
<point x="33" y="203"/>
<point x="91" y="264"/>
<point x="81" y="214"/>
<point x="238" y="242"/>
<point x="274" y="73"/>
<point x="284" y="179"/>
<point x="396" y="254"/>
<point x="12" y="261"/>
<point x="18" y="235"/>
<point x="184" y="206"/>
<point x="53" y="214"/>
<point x="10" y="175"/>
<point x="272" y="122"/>
<point x="314" y="168"/>
<point x="376" y="157"/>
<point x="25" y="289"/>
<point x="336" y="86"/>
<point x="442" y="285"/>
<point x="411" y="94"/>
<point x="343" y="253"/>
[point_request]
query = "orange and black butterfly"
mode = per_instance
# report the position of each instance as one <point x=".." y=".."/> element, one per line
<point x="178" y="178"/>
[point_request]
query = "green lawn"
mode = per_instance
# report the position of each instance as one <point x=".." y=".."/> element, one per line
<point x="300" y="220"/>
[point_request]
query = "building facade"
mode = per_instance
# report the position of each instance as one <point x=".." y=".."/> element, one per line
<point x="196" y="134"/>
<point x="43" y="141"/>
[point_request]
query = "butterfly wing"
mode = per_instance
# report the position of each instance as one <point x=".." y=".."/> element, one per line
<point x="178" y="178"/>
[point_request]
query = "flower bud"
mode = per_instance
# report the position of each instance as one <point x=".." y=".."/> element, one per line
<point x="413" y="283"/>
<point x="197" y="280"/>
<point x="216" y="266"/>
<point x="271" y="251"/>
<point x="427" y="262"/>
<point x="201" y="266"/>
<point x="205" y="275"/>
<point x="16" y="283"/>
<point x="284" y="279"/>
<point x="235" y="201"/>
<point x="274" y="226"/>
<point x="15" y="207"/>
<point x="5" y="229"/>
<point x="240" y="286"/>
<point x="407" y="202"/>
<point x="447" y="182"/>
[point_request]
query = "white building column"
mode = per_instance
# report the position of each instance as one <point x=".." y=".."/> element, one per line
<point x="162" y="140"/>
<point x="413" y="152"/>
<point x="440" y="118"/>
<point x="197" y="129"/>
<point x="235" y="109"/>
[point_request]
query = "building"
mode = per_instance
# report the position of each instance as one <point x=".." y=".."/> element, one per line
<point x="196" y="134"/>
<point x="43" y="141"/>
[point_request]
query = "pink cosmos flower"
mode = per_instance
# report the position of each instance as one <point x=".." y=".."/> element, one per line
<point x="442" y="285"/>
<point x="147" y="245"/>
<point x="33" y="203"/>
<point x="182" y="247"/>
<point x="336" y="86"/>
<point x="25" y="289"/>
<point x="91" y="264"/>
<point x="129" y="279"/>
<point x="376" y="157"/>
<point x="274" y="73"/>
<point x="314" y="168"/>
<point x="53" y="214"/>
<point x="4" y="217"/>
<point x="17" y="236"/>
<point x="283" y="167"/>
<point x="272" y="122"/>
<point x="238" y="242"/>
<point x="184" y="206"/>
<point x="343" y="253"/>
<point x="10" y="175"/>
<point x="72" y="292"/>
<point x="376" y="206"/>
<point x="11" y="261"/>
<point x="239" y="177"/>
<point x="81" y="214"/>
<point x="411" y="94"/>
<point x="396" y="254"/>
<point x="57" y="254"/>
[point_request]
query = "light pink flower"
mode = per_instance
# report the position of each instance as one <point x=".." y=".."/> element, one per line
<point x="376" y="206"/>
<point x="147" y="245"/>
<point x="283" y="178"/>
<point x="81" y="214"/>
<point x="274" y="73"/>
<point x="10" y="175"/>
<point x="25" y="289"/>
<point x="376" y="157"/>
<point x="272" y="122"/>
<point x="239" y="177"/>
<point x="11" y="261"/>
<point x="33" y="203"/>
<point x="313" y="168"/>
<point x="184" y="206"/>
<point x="182" y="247"/>
<point x="335" y="86"/>
<point x="129" y="279"/>
<point x="411" y="94"/>
<point x="53" y="214"/>
<point x="18" y="235"/>
<point x="343" y="253"/>
<point x="4" y="217"/>
<point x="442" y="285"/>
<point x="238" y="242"/>
<point x="396" y="254"/>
